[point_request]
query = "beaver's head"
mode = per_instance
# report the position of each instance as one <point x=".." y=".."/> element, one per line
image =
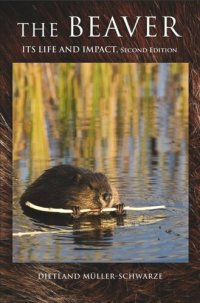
<point x="101" y="188"/>
<point x="95" y="191"/>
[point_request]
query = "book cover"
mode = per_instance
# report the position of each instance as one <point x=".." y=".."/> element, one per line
<point x="99" y="151"/>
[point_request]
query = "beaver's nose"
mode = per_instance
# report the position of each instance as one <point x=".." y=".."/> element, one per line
<point x="107" y="197"/>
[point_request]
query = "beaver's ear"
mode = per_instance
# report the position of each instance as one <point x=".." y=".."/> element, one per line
<point x="77" y="178"/>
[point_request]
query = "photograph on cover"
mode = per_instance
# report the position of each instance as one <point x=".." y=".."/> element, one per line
<point x="100" y="162"/>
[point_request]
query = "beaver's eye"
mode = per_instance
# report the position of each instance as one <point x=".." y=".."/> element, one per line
<point x="90" y="186"/>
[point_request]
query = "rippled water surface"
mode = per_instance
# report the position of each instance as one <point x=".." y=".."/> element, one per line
<point x="135" y="133"/>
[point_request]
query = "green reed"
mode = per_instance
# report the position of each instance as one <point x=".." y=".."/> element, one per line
<point x="85" y="106"/>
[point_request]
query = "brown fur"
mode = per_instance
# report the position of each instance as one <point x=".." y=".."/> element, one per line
<point x="64" y="186"/>
<point x="180" y="282"/>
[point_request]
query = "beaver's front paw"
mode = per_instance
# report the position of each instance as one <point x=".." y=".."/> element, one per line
<point x="120" y="209"/>
<point x="76" y="212"/>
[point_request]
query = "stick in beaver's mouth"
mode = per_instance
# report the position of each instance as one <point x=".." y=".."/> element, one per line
<point x="107" y="209"/>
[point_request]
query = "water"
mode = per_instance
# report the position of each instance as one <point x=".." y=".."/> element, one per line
<point x="140" y="239"/>
<point x="143" y="150"/>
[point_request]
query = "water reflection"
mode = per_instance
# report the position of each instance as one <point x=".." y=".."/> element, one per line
<point x="129" y="121"/>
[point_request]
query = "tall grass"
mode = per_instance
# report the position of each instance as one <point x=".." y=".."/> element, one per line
<point x="94" y="110"/>
<point x="29" y="121"/>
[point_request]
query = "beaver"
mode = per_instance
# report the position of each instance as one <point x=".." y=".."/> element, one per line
<point x="71" y="187"/>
